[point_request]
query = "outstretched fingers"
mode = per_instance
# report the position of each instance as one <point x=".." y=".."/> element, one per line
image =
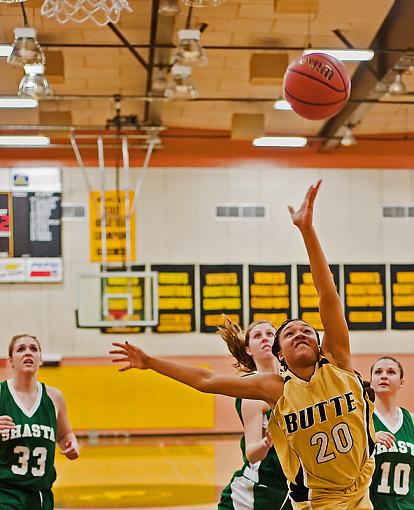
<point x="313" y="191"/>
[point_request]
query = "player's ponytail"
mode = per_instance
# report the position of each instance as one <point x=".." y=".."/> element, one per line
<point x="236" y="341"/>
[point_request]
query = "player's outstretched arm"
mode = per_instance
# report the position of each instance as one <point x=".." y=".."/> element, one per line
<point x="336" y="337"/>
<point x="267" y="387"/>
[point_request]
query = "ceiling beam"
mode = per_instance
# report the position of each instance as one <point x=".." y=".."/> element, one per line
<point x="395" y="31"/>
<point x="161" y="33"/>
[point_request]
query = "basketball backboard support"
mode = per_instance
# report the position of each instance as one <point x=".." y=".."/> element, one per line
<point x="117" y="299"/>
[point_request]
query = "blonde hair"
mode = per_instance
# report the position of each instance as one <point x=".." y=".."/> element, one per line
<point x="17" y="337"/>
<point x="237" y="340"/>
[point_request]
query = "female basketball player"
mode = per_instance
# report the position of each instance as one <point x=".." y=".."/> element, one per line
<point x="321" y="423"/>
<point x="33" y="419"/>
<point x="260" y="484"/>
<point x="392" y="485"/>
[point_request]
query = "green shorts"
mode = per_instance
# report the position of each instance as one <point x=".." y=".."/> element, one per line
<point x="14" y="498"/>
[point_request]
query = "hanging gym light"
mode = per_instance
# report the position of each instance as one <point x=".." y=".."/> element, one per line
<point x="26" y="49"/>
<point x="180" y="85"/>
<point x="189" y="52"/>
<point x="34" y="83"/>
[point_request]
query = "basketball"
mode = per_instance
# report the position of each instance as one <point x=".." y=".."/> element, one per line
<point x="317" y="86"/>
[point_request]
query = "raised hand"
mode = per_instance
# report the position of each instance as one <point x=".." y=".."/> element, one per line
<point x="303" y="217"/>
<point x="6" y="423"/>
<point x="130" y="354"/>
<point x="70" y="450"/>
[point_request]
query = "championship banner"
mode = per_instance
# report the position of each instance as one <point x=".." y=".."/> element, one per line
<point x="308" y="301"/>
<point x="365" y="296"/>
<point x="221" y="289"/>
<point x="270" y="293"/>
<point x="116" y="227"/>
<point x="176" y="308"/>
<point x="402" y="296"/>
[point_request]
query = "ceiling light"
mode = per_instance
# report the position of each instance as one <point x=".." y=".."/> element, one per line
<point x="281" y="104"/>
<point x="348" y="139"/>
<point x="159" y="82"/>
<point x="347" y="54"/>
<point x="168" y="8"/>
<point x="34" y="83"/>
<point x="24" y="141"/>
<point x="189" y="52"/>
<point x="397" y="87"/>
<point x="180" y="85"/>
<point x="26" y="49"/>
<point x="203" y="3"/>
<point x="18" y="102"/>
<point x="280" y="141"/>
<point x="5" y="50"/>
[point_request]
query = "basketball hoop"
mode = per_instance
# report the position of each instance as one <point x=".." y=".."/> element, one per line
<point x="101" y="12"/>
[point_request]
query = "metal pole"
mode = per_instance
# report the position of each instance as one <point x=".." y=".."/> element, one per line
<point x="102" y="195"/>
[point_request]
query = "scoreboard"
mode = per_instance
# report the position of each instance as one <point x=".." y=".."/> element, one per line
<point x="30" y="225"/>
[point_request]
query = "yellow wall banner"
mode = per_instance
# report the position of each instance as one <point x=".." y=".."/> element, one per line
<point x="115" y="226"/>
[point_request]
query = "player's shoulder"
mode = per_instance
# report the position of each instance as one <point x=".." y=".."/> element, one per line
<point x="54" y="393"/>
<point x="407" y="415"/>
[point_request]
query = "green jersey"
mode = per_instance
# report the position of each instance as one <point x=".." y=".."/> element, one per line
<point x="392" y="486"/>
<point x="258" y="486"/>
<point x="27" y="452"/>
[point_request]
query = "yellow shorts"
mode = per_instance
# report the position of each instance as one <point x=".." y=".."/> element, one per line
<point x="357" y="501"/>
<point x="356" y="497"/>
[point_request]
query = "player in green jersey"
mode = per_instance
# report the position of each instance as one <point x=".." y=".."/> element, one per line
<point x="33" y="419"/>
<point x="392" y="485"/>
<point x="260" y="484"/>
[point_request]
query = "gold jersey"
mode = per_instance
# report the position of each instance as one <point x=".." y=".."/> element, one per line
<point x="323" y="432"/>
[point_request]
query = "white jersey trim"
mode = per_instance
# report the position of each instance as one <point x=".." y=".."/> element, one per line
<point x="397" y="426"/>
<point x="28" y="412"/>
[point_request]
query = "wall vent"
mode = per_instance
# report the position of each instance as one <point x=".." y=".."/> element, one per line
<point x="73" y="212"/>
<point x="398" y="211"/>
<point x="241" y="211"/>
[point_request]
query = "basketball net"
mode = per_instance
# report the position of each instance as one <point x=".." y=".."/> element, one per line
<point x="79" y="11"/>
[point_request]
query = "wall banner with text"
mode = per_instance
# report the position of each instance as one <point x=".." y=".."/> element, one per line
<point x="402" y="296"/>
<point x="365" y="296"/>
<point x="175" y="298"/>
<point x="269" y="293"/>
<point x="221" y="291"/>
<point x="308" y="302"/>
<point x="116" y="207"/>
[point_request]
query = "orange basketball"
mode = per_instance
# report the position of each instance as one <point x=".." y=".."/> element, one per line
<point x="317" y="86"/>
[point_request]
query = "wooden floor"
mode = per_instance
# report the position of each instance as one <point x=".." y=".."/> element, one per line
<point x="178" y="473"/>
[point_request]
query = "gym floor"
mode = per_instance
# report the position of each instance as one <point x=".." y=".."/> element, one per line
<point x="180" y="473"/>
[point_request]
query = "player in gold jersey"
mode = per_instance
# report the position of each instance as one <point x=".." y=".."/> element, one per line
<point x="321" y="421"/>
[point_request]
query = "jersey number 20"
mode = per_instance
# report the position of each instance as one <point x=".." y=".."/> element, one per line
<point x="39" y="453"/>
<point x="342" y="439"/>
